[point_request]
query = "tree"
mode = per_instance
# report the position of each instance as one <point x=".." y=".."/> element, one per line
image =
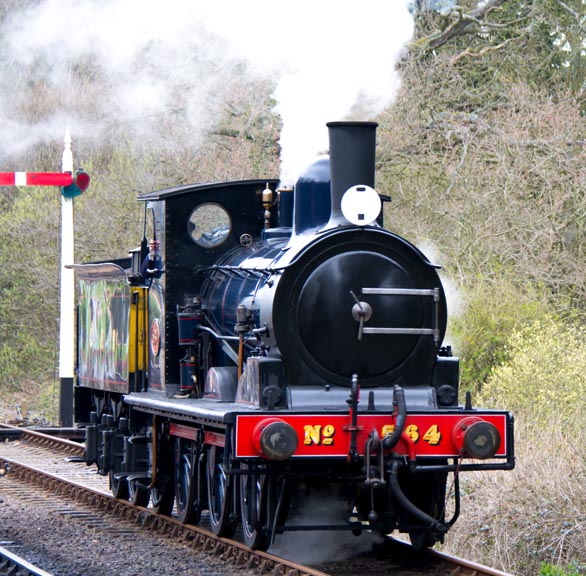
<point x="484" y="156"/>
<point x="541" y="41"/>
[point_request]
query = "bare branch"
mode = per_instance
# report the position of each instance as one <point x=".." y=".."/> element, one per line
<point x="575" y="14"/>
<point x="469" y="52"/>
<point x="461" y="23"/>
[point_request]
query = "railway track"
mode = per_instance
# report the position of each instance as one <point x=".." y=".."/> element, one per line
<point x="13" y="565"/>
<point x="55" y="466"/>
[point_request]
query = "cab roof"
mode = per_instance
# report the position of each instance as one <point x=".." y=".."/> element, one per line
<point x="206" y="187"/>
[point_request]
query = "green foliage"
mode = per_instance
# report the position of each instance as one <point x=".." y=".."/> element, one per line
<point x="492" y="310"/>
<point x="551" y="570"/>
<point x="29" y="285"/>
<point x="543" y="376"/>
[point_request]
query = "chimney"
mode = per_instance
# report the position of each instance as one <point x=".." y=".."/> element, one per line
<point x="352" y="159"/>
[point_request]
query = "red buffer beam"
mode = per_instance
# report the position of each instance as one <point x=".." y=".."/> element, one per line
<point x="35" y="179"/>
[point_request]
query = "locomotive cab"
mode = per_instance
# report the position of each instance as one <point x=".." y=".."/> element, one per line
<point x="196" y="225"/>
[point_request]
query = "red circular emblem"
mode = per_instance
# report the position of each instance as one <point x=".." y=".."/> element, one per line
<point x="155" y="337"/>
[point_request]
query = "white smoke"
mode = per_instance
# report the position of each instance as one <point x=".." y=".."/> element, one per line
<point x="99" y="64"/>
<point x="321" y="509"/>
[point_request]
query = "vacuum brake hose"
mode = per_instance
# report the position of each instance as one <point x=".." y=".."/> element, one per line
<point x="438" y="527"/>
<point x="398" y="399"/>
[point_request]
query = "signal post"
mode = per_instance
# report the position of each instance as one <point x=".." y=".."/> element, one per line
<point x="72" y="185"/>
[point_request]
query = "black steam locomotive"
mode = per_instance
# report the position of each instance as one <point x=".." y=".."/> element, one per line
<point x="275" y="348"/>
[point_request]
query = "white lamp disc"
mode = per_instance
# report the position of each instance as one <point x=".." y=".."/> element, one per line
<point x="361" y="205"/>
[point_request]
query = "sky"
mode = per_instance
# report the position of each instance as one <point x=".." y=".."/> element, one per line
<point x="138" y="64"/>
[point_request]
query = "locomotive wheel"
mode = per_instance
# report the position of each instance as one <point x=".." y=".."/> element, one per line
<point x="163" y="495"/>
<point x="163" y="492"/>
<point x="429" y="495"/>
<point x="263" y="502"/>
<point x="118" y="486"/>
<point x="138" y="493"/>
<point x="254" y="509"/>
<point x="188" y="481"/>
<point x="220" y="494"/>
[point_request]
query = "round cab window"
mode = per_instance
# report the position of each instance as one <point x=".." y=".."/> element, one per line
<point x="209" y="225"/>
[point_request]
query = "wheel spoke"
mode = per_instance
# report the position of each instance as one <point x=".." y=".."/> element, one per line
<point x="187" y="481"/>
<point x="220" y="498"/>
<point x="263" y="506"/>
<point x="163" y="491"/>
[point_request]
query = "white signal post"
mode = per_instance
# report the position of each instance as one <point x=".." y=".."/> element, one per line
<point x="73" y="185"/>
<point x="67" y="316"/>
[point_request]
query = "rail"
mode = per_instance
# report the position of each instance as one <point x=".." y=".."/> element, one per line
<point x="10" y="563"/>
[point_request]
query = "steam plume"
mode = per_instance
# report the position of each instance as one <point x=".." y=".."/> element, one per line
<point x="138" y="66"/>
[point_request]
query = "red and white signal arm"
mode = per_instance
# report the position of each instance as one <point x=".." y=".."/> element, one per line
<point x="72" y="185"/>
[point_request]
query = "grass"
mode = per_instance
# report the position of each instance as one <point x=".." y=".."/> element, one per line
<point x="32" y="404"/>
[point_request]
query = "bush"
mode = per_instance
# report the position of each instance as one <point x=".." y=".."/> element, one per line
<point x="28" y="286"/>
<point x="543" y="376"/>
<point x="518" y="520"/>
<point x="531" y="520"/>
<point x="491" y="309"/>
